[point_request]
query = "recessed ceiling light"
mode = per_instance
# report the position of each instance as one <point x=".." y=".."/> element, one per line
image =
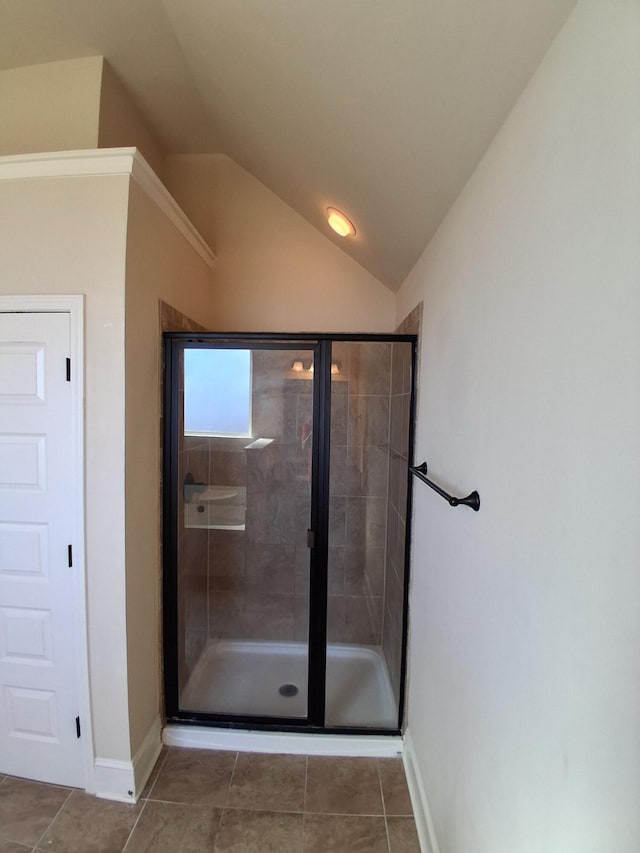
<point x="339" y="222"/>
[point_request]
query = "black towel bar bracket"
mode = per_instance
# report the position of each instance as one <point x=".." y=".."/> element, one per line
<point x="472" y="500"/>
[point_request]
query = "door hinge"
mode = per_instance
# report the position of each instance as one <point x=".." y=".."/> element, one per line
<point x="68" y="370"/>
<point x="70" y="555"/>
<point x="77" y="726"/>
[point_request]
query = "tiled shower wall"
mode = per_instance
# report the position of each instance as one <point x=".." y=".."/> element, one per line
<point x="397" y="511"/>
<point x="259" y="578"/>
<point x="400" y="456"/>
<point x="192" y="566"/>
<point x="358" y="491"/>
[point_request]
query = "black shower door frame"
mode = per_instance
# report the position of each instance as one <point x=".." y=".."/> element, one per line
<point x="321" y="344"/>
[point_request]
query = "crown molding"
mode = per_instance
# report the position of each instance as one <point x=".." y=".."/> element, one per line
<point x="102" y="162"/>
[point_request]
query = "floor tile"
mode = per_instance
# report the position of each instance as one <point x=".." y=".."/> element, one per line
<point x="27" y="809"/>
<point x="194" y="776"/>
<point x="403" y="836"/>
<point x="259" y="832"/>
<point x="271" y="782"/>
<point x="202" y="801"/>
<point x="344" y="834"/>
<point x="343" y="786"/>
<point x="87" y="824"/>
<point x="12" y="847"/>
<point x="395" y="792"/>
<point x="174" y="828"/>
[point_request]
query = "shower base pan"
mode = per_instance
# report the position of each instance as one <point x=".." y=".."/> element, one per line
<point x="257" y="678"/>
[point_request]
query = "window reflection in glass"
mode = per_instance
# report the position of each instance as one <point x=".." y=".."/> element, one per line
<point x="217" y="392"/>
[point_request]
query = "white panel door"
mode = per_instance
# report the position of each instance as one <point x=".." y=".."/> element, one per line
<point x="39" y="706"/>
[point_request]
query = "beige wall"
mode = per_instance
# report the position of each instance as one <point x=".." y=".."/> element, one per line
<point x="524" y="697"/>
<point x="50" y="107"/>
<point x="121" y="125"/>
<point x="71" y="105"/>
<point x="160" y="265"/>
<point x="106" y="228"/>
<point x="275" y="272"/>
<point x="81" y="249"/>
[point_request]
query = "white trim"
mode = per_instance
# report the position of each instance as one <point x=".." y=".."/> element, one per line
<point x="124" y="781"/>
<point x="115" y="780"/>
<point x="72" y="304"/>
<point x="145" y="758"/>
<point x="201" y="737"/>
<point x="89" y="162"/>
<point x="107" y="161"/>
<point x="146" y="178"/>
<point x="421" y="811"/>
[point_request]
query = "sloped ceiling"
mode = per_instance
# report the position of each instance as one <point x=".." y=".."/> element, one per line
<point x="382" y="109"/>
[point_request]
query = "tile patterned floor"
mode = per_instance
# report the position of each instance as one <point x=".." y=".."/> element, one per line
<point x="199" y="801"/>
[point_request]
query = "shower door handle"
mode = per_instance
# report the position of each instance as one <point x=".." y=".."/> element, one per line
<point x="311" y="539"/>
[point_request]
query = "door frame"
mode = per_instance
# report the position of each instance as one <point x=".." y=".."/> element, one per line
<point x="73" y="305"/>
<point x="174" y="344"/>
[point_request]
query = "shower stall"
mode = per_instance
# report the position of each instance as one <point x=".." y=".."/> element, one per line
<point x="286" y="499"/>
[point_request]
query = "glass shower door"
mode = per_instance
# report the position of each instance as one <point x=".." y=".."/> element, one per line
<point x="245" y="445"/>
<point x="371" y="393"/>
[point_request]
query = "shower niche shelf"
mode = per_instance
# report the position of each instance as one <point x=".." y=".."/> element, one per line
<point x="215" y="507"/>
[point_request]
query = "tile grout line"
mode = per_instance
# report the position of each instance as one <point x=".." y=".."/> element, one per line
<point x="136" y="822"/>
<point x="304" y="800"/>
<point x="159" y="771"/>
<point x="384" y="805"/>
<point x="233" y="773"/>
<point x="334" y="814"/>
<point x="306" y="782"/>
<point x="145" y="800"/>
<point x="51" y="822"/>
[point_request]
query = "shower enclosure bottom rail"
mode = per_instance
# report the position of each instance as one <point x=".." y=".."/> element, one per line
<point x="283" y="743"/>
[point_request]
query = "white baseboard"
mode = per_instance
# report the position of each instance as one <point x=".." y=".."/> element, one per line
<point x="421" y="812"/>
<point x="124" y="781"/>
<point x="145" y="758"/>
<point x="203" y="737"/>
<point x="114" y="780"/>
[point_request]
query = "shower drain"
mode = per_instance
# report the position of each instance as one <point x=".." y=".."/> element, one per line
<point x="288" y="690"/>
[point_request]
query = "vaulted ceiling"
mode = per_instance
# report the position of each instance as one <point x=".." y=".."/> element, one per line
<point x="382" y="109"/>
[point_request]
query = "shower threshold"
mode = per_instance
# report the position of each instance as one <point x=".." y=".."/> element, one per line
<point x="248" y="677"/>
